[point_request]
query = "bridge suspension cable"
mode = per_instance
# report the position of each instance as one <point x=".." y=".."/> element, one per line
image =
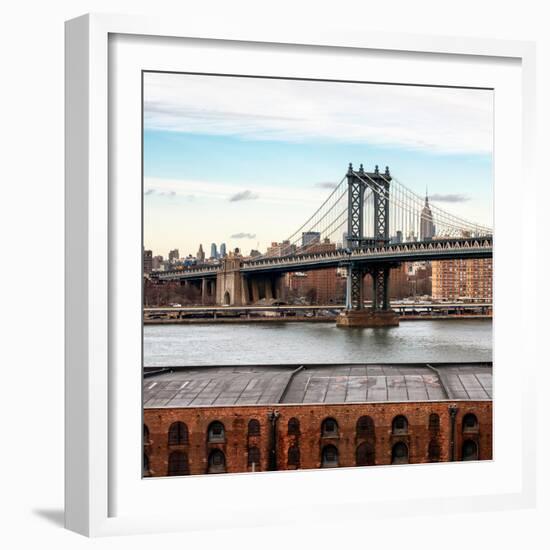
<point x="409" y="215"/>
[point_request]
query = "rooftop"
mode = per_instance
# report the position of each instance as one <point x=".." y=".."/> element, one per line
<point x="315" y="384"/>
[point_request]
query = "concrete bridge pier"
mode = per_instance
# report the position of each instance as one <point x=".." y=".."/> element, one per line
<point x="255" y="289"/>
<point x="380" y="314"/>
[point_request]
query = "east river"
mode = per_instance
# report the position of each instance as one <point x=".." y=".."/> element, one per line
<point x="303" y="343"/>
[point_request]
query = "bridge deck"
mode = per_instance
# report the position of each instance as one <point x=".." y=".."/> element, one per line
<point x="262" y="385"/>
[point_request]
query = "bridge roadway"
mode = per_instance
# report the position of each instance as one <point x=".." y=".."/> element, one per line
<point x="400" y="307"/>
<point x="470" y="248"/>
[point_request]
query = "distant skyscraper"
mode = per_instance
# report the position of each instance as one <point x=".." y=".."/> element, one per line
<point x="157" y="262"/>
<point x="310" y="237"/>
<point x="174" y="255"/>
<point x="147" y="261"/>
<point x="213" y="251"/>
<point x="200" y="254"/>
<point x="222" y="250"/>
<point x="427" y="227"/>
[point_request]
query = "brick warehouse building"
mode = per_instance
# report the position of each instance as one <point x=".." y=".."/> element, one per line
<point x="242" y="419"/>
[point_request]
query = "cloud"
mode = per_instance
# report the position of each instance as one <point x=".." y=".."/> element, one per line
<point x="168" y="193"/>
<point x="437" y="197"/>
<point x="243" y="236"/>
<point x="325" y="185"/>
<point x="224" y="191"/>
<point x="246" y="195"/>
<point x="442" y="120"/>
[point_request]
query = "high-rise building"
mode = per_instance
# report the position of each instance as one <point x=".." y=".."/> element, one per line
<point x="213" y="251"/>
<point x="427" y="227"/>
<point x="470" y="279"/>
<point x="398" y="239"/>
<point x="173" y="255"/>
<point x="222" y="250"/>
<point x="157" y="262"/>
<point x="310" y="237"/>
<point x="200" y="254"/>
<point x="147" y="261"/>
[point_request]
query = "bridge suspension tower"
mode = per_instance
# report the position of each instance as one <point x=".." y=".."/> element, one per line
<point x="380" y="313"/>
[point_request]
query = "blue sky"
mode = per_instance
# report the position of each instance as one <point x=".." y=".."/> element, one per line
<point x="229" y="156"/>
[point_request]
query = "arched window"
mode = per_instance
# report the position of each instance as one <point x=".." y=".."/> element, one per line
<point x="329" y="457"/>
<point x="434" y="422"/>
<point x="293" y="458"/>
<point x="178" y="465"/>
<point x="400" y="453"/>
<point x="253" y="427"/>
<point x="216" y="462"/>
<point x="399" y="425"/>
<point x="469" y="450"/>
<point x="254" y="456"/>
<point x="434" y="451"/>
<point x="178" y="434"/>
<point x="364" y="455"/>
<point x="293" y="426"/>
<point x="227" y="298"/>
<point x="145" y="434"/>
<point x="146" y="472"/>
<point x="216" y="432"/>
<point x="469" y="423"/>
<point x="329" y="428"/>
<point x="365" y="427"/>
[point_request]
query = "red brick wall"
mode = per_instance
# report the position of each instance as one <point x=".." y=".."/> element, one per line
<point x="237" y="441"/>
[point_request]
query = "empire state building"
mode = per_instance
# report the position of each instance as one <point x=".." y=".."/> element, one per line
<point x="427" y="227"/>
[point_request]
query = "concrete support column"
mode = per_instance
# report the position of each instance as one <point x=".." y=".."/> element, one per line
<point x="204" y="290"/>
<point x="268" y="288"/>
<point x="246" y="290"/>
<point x="280" y="287"/>
<point x="255" y="290"/>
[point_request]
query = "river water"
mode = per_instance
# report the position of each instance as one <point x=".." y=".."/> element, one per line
<point x="297" y="343"/>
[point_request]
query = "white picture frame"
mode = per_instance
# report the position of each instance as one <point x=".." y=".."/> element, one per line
<point x="101" y="396"/>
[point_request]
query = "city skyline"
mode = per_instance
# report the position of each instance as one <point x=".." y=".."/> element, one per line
<point x="226" y="164"/>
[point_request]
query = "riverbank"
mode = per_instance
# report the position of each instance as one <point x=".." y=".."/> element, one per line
<point x="318" y="319"/>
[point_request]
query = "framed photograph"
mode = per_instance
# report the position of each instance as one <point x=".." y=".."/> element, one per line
<point x="288" y="275"/>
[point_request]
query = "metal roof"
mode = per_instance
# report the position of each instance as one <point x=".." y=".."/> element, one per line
<point x="267" y="385"/>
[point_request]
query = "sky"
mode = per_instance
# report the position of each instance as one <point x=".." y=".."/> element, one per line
<point x="246" y="161"/>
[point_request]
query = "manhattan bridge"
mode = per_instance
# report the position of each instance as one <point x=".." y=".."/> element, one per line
<point x="383" y="223"/>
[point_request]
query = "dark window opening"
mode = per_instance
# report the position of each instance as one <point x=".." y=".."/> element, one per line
<point x="434" y="451"/>
<point x="293" y="426"/>
<point x="146" y="471"/>
<point x="400" y="453"/>
<point x="329" y="428"/>
<point x="178" y="434"/>
<point x="469" y="423"/>
<point x="365" y="427"/>
<point x="469" y="450"/>
<point x="216" y="462"/>
<point x="364" y="455"/>
<point x="145" y="434"/>
<point x="400" y="425"/>
<point x="434" y="422"/>
<point x="216" y="432"/>
<point x="329" y="457"/>
<point x="253" y="427"/>
<point x="254" y="457"/>
<point x="178" y="465"/>
<point x="293" y="456"/>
